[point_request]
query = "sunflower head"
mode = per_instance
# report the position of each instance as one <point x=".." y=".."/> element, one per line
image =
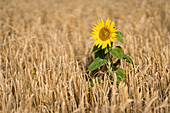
<point x="104" y="33"/>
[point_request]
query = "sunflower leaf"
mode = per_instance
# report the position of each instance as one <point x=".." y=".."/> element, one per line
<point x="117" y="52"/>
<point x="119" y="37"/>
<point x="120" y="73"/>
<point x="128" y="59"/>
<point x="98" y="62"/>
<point x="95" y="49"/>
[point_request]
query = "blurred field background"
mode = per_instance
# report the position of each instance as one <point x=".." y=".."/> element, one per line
<point x="44" y="54"/>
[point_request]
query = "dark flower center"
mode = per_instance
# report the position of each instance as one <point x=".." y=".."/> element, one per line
<point x="104" y="34"/>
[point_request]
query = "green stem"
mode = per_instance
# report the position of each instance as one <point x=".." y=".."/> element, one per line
<point x="109" y="62"/>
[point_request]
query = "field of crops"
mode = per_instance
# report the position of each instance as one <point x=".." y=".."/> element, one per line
<point x="44" y="56"/>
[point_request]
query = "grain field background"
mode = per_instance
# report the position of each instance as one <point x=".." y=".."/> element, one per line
<point x="44" y="55"/>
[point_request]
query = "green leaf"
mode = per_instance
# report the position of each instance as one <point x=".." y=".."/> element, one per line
<point x="101" y="54"/>
<point x="119" y="37"/>
<point x="95" y="49"/>
<point x="128" y="59"/>
<point x="120" y="73"/>
<point x="117" y="52"/>
<point x="98" y="62"/>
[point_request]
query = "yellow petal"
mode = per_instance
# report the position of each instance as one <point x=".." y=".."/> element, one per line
<point x="112" y="24"/>
<point x="95" y="32"/>
<point x="114" y="35"/>
<point x="95" y="29"/>
<point x="109" y="44"/>
<point x="102" y="22"/>
<point x="95" y="25"/>
<point x="99" y="23"/>
<point x="96" y="42"/>
<point x="99" y="44"/>
<point x="108" y="23"/>
<point x="104" y="45"/>
<point x="112" y="39"/>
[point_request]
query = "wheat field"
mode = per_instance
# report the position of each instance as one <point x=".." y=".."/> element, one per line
<point x="44" y="56"/>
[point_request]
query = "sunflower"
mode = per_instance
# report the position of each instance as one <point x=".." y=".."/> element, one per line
<point x="104" y="33"/>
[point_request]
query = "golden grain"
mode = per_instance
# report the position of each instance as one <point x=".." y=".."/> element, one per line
<point x="44" y="55"/>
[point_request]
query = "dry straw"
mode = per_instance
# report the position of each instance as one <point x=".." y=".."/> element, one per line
<point x="44" y="55"/>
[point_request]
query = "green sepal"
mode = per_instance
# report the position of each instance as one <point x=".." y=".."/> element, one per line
<point x="128" y="59"/>
<point x="106" y="50"/>
<point x="119" y="37"/>
<point x="98" y="62"/>
<point x="117" y="52"/>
